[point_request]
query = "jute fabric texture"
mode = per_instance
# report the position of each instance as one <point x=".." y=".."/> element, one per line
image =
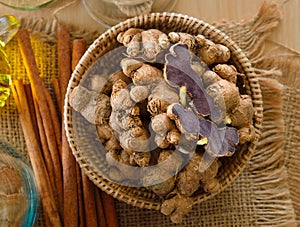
<point x="266" y="192"/>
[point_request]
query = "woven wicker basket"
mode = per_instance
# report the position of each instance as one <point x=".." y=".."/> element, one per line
<point x="83" y="137"/>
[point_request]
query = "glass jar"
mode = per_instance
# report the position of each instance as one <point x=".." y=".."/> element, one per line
<point x="26" y="4"/>
<point x="9" y="25"/>
<point x="19" y="196"/>
<point x="111" y="12"/>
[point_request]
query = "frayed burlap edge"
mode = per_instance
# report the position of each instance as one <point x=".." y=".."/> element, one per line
<point x="272" y="197"/>
<point x="267" y="166"/>
<point x="288" y="62"/>
<point x="274" y="206"/>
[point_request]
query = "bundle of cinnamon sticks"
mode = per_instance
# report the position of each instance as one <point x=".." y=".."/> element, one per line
<point x="68" y="197"/>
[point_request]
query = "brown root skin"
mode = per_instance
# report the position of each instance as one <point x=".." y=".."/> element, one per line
<point x="163" y="41"/>
<point x="173" y="136"/>
<point x="124" y="157"/>
<point x="208" y="53"/>
<point x="165" y="187"/>
<point x="85" y="102"/>
<point x="113" y="78"/>
<point x="227" y="72"/>
<point x="148" y="42"/>
<point x="134" y="47"/>
<point x="147" y="75"/>
<point x="96" y="83"/>
<point x="243" y="114"/>
<point x="164" y="92"/>
<point x="161" y="96"/>
<point x="116" y="171"/>
<point x="127" y="125"/>
<point x="210" y="170"/>
<point x="157" y="106"/>
<point x="246" y="134"/>
<point x="223" y="54"/>
<point x="142" y="158"/>
<point x="117" y="86"/>
<point x="141" y="73"/>
<point x="112" y="156"/>
<point x="103" y="109"/>
<point x="161" y="124"/>
<point x="120" y="96"/>
<point x="226" y="95"/>
<point x="183" y="38"/>
<point x="177" y="207"/>
<point x="135" y="111"/>
<point x="115" y="123"/>
<point x="166" y="173"/>
<point x="157" y="92"/>
<point x="188" y="180"/>
<point x="153" y="40"/>
<point x="161" y="141"/>
<point x="136" y="132"/>
<point x="200" y="40"/>
<point x="129" y="66"/>
<point x="192" y="177"/>
<point x="139" y="93"/>
<point x="104" y="132"/>
<point x="135" y="139"/>
<point x="187" y="183"/>
<point x="137" y="144"/>
<point x="212" y="186"/>
<point x="211" y="53"/>
<point x="209" y="78"/>
<point x="121" y="100"/>
<point x="128" y="122"/>
<point x="112" y="144"/>
<point x="172" y="161"/>
<point x="126" y="37"/>
<point x="199" y="67"/>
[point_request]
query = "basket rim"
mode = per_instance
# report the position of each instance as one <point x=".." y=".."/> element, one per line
<point x="105" y="41"/>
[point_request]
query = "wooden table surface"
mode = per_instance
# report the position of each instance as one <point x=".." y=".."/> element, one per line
<point x="288" y="33"/>
<point x="73" y="12"/>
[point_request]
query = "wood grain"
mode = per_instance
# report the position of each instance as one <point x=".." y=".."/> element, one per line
<point x="209" y="10"/>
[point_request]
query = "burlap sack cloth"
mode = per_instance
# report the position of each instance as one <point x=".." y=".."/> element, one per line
<point x="266" y="193"/>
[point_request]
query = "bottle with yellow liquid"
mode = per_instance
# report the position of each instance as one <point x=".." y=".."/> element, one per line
<point x="9" y="26"/>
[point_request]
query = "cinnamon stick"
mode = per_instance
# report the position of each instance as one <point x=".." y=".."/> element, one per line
<point x="100" y="211"/>
<point x="35" y="155"/>
<point x="46" y="153"/>
<point x="80" y="197"/>
<point x="78" y="49"/>
<point x="89" y="201"/>
<point x="68" y="160"/>
<point x="39" y="90"/>
<point x="38" y="125"/>
<point x="56" y="90"/>
<point x="41" y="136"/>
<point x="31" y="108"/>
<point x="109" y="209"/>
<point x="46" y="108"/>
<point x="64" y="59"/>
<point x="69" y="185"/>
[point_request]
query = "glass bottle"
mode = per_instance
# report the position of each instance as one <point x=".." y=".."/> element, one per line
<point x="9" y="26"/>
<point x="111" y="12"/>
<point x="26" y="4"/>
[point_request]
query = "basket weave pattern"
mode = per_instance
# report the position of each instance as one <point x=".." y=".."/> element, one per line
<point x="94" y="166"/>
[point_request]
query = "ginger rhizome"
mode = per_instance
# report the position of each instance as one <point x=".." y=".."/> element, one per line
<point x="177" y="107"/>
